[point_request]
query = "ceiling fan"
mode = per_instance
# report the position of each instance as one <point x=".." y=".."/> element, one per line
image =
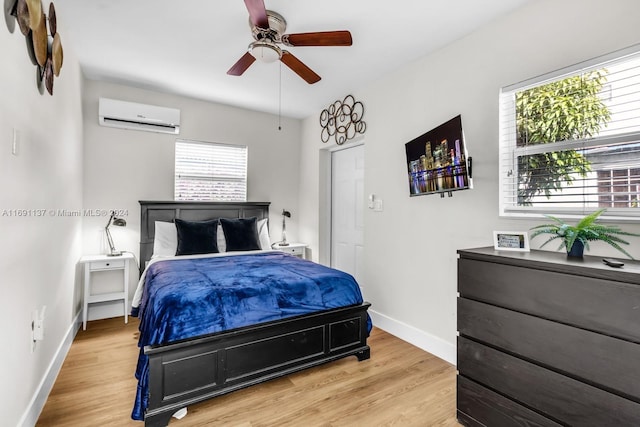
<point x="268" y="29"/>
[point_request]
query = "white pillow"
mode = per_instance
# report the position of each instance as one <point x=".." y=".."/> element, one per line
<point x="263" y="234"/>
<point x="222" y="243"/>
<point x="165" y="242"/>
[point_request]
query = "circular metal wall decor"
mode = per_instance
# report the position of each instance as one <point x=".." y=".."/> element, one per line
<point x="342" y="120"/>
<point x="43" y="44"/>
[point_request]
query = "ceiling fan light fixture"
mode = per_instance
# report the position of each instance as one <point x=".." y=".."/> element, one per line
<point x="265" y="51"/>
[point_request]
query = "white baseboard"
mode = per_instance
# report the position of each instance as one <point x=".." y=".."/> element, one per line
<point x="427" y="342"/>
<point x="30" y="417"/>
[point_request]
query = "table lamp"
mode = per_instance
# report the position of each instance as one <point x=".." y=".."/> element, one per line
<point x="113" y="220"/>
<point x="285" y="214"/>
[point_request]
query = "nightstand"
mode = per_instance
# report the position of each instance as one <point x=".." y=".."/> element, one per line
<point x="99" y="263"/>
<point x="297" y="249"/>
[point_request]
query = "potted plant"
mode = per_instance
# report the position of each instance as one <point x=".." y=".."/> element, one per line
<point x="575" y="238"/>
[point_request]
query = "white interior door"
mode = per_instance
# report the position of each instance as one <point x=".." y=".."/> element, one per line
<point x="347" y="210"/>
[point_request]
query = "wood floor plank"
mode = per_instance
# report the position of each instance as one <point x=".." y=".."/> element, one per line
<point x="400" y="385"/>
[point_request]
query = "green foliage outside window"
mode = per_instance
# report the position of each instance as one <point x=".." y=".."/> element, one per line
<point x="564" y="110"/>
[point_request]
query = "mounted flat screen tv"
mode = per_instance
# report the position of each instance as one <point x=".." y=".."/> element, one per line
<point x="437" y="161"/>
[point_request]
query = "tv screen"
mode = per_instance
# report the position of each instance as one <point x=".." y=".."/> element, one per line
<point x="437" y="160"/>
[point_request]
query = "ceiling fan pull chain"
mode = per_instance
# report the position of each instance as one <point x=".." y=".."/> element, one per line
<point x="280" y="99"/>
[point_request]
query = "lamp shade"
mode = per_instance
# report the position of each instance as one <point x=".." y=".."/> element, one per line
<point x="265" y="52"/>
<point x="120" y="222"/>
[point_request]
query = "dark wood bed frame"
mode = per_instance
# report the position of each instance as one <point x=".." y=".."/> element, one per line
<point x="191" y="371"/>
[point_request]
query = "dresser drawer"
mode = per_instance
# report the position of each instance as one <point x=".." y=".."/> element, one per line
<point x="107" y="265"/>
<point x="293" y="250"/>
<point x="562" y="398"/>
<point x="596" y="304"/>
<point x="589" y="356"/>
<point x="492" y="409"/>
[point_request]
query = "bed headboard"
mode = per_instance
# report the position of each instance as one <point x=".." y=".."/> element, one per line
<point x="151" y="211"/>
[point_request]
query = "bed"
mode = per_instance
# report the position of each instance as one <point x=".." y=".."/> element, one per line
<point x="181" y="371"/>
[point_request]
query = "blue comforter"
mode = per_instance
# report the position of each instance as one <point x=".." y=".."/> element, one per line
<point x="185" y="298"/>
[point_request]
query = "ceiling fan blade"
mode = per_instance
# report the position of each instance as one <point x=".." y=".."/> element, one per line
<point x="299" y="68"/>
<point x="325" y="38"/>
<point x="242" y="65"/>
<point x="257" y="13"/>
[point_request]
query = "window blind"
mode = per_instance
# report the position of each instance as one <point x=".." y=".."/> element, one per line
<point x="210" y="171"/>
<point x="570" y="140"/>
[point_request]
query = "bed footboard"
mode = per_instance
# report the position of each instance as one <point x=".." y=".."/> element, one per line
<point x="188" y="372"/>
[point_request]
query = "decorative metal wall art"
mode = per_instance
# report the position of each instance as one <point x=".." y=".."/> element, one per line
<point x="44" y="47"/>
<point x="342" y="120"/>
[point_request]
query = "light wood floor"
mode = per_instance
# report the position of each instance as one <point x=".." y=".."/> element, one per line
<point x="400" y="385"/>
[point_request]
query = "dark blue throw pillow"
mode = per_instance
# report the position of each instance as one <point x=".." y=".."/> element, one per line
<point x="241" y="234"/>
<point x="196" y="237"/>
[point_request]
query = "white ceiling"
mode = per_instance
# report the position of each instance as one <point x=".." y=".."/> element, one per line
<point x="186" y="47"/>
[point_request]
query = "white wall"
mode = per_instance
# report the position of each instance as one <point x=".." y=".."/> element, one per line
<point x="125" y="166"/>
<point x="38" y="254"/>
<point x="410" y="247"/>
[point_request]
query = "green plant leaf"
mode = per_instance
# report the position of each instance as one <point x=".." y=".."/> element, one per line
<point x="586" y="230"/>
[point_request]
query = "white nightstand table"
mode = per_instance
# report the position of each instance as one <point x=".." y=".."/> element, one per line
<point x="97" y="263"/>
<point x="297" y="249"/>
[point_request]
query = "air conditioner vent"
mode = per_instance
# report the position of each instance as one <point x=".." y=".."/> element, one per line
<point x="143" y="117"/>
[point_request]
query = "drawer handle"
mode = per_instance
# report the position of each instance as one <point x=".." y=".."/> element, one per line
<point x="107" y="264"/>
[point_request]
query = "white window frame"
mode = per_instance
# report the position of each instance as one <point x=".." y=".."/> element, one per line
<point x="208" y="169"/>
<point x="509" y="152"/>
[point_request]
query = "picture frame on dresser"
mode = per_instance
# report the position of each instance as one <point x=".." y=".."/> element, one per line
<point x="511" y="241"/>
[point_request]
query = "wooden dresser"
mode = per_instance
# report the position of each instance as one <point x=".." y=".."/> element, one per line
<point x="547" y="341"/>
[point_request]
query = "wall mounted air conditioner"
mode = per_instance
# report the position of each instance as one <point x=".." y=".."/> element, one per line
<point x="131" y="115"/>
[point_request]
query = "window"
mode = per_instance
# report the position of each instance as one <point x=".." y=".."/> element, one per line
<point x="570" y="140"/>
<point x="619" y="188"/>
<point x="210" y="171"/>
